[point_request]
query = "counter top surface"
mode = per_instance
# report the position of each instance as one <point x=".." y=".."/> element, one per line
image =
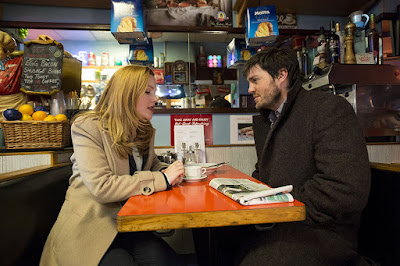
<point x="394" y="167"/>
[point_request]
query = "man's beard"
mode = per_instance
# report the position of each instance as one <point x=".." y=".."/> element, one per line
<point x="269" y="103"/>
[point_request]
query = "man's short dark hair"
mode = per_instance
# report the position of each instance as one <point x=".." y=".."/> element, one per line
<point x="274" y="59"/>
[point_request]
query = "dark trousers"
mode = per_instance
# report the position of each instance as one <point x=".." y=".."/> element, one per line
<point x="283" y="244"/>
<point x="139" y="248"/>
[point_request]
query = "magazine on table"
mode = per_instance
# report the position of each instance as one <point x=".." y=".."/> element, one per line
<point x="248" y="192"/>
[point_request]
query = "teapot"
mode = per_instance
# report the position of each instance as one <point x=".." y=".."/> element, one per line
<point x="357" y="18"/>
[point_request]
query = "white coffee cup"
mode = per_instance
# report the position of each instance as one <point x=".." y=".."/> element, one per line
<point x="194" y="171"/>
<point x="289" y="19"/>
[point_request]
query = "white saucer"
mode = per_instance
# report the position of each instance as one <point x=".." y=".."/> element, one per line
<point x="195" y="179"/>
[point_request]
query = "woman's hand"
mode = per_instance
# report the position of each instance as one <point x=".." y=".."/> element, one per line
<point x="175" y="172"/>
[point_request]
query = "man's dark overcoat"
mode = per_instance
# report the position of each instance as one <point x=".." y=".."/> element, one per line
<point x="317" y="146"/>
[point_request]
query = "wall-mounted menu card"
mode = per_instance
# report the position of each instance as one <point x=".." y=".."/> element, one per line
<point x="42" y="68"/>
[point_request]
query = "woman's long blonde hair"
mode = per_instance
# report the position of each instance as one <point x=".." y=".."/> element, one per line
<point x="116" y="110"/>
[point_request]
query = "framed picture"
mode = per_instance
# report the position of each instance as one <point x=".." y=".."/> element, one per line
<point x="180" y="72"/>
<point x="241" y="129"/>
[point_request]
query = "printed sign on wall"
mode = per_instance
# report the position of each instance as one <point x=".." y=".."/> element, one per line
<point x="242" y="129"/>
<point x="200" y="119"/>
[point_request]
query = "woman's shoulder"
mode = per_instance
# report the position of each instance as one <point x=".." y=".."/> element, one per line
<point x="86" y="122"/>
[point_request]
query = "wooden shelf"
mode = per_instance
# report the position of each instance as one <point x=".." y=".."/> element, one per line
<point x="101" y="67"/>
<point x="107" y="27"/>
<point x="391" y="58"/>
<point x="158" y="110"/>
<point x="206" y="73"/>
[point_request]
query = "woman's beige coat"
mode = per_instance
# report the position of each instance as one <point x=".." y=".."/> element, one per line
<point x="100" y="183"/>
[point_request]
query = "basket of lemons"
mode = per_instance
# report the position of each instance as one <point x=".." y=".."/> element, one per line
<point x="27" y="128"/>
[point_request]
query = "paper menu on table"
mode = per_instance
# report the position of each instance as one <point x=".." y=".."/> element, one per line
<point x="190" y="134"/>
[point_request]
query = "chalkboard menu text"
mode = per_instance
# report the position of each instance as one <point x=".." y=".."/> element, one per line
<point x="42" y="68"/>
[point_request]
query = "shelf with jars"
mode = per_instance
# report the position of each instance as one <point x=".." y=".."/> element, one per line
<point x="97" y="74"/>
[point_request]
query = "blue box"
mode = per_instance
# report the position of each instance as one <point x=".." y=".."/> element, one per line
<point x="261" y="25"/>
<point x="141" y="53"/>
<point x="127" y="21"/>
<point x="238" y="53"/>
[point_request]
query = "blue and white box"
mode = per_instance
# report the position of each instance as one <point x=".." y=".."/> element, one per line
<point x="261" y="25"/>
<point x="127" y="21"/>
<point x="238" y="53"/>
<point x="142" y="54"/>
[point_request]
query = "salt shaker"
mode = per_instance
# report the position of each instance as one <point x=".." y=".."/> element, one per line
<point x="182" y="156"/>
<point x="190" y="155"/>
<point x="197" y="152"/>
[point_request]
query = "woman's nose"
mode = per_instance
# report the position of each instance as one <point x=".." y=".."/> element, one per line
<point x="155" y="98"/>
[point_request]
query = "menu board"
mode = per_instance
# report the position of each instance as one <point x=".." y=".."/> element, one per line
<point x="42" y="68"/>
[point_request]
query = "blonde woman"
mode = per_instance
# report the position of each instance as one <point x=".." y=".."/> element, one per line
<point x="113" y="160"/>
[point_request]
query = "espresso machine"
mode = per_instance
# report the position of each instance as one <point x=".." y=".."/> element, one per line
<point x="372" y="90"/>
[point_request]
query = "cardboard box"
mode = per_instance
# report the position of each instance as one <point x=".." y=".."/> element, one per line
<point x="261" y="25"/>
<point x="142" y="54"/>
<point x="238" y="53"/>
<point x="365" y="58"/>
<point x="127" y="21"/>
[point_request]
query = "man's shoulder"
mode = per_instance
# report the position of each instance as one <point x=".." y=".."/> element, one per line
<point x="318" y="97"/>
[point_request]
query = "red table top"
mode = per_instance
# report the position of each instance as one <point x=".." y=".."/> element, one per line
<point x="196" y="202"/>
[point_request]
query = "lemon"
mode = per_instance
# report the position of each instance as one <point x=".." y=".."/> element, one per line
<point x="61" y="117"/>
<point x="39" y="115"/>
<point x="26" y="109"/>
<point x="49" y="118"/>
<point x="26" y="117"/>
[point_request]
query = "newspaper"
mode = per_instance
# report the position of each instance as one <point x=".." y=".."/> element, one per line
<point x="248" y="192"/>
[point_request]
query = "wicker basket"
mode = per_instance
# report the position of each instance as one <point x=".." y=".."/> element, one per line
<point x="36" y="134"/>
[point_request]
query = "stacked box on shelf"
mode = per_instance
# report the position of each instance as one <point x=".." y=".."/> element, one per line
<point x="261" y="25"/>
<point x="142" y="53"/>
<point x="238" y="53"/>
<point x="127" y="21"/>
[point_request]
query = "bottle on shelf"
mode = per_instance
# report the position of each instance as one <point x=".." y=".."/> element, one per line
<point x="155" y="64"/>
<point x="92" y="59"/>
<point x="341" y="42"/>
<point x="298" y="53"/>
<point x="304" y="60"/>
<point x="373" y="39"/>
<point x="161" y="60"/>
<point x="333" y="44"/>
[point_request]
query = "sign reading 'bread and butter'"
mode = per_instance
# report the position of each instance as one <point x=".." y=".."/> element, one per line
<point x="42" y="68"/>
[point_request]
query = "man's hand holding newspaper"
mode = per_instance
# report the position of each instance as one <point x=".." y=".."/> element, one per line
<point x="248" y="192"/>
